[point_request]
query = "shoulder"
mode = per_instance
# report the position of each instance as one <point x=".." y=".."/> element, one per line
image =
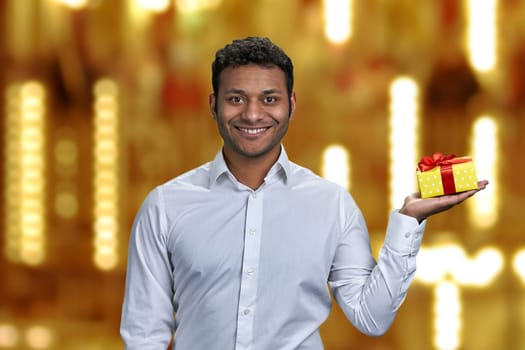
<point x="307" y="181"/>
<point x="302" y="176"/>
<point x="193" y="179"/>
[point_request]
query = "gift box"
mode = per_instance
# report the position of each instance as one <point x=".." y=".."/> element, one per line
<point x="445" y="174"/>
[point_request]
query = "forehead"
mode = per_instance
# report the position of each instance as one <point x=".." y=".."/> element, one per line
<point x="252" y="77"/>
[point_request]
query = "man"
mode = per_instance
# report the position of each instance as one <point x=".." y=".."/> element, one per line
<point x="242" y="248"/>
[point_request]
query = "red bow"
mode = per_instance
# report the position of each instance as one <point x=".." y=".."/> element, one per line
<point x="438" y="159"/>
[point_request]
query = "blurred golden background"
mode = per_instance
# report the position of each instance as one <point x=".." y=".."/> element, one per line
<point x="104" y="99"/>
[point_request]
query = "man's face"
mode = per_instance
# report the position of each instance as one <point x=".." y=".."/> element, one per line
<point x="252" y="109"/>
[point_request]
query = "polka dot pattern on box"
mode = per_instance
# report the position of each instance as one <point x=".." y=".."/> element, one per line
<point x="464" y="177"/>
<point x="430" y="182"/>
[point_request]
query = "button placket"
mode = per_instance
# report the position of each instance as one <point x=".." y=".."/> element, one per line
<point x="250" y="265"/>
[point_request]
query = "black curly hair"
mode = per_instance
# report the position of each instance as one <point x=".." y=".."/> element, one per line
<point x="251" y="50"/>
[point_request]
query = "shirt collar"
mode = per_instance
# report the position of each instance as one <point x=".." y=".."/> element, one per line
<point x="218" y="167"/>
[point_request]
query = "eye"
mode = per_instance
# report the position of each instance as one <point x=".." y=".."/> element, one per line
<point x="235" y="99"/>
<point x="270" y="99"/>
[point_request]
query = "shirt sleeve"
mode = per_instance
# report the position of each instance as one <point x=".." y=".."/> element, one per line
<point x="147" y="321"/>
<point x="371" y="293"/>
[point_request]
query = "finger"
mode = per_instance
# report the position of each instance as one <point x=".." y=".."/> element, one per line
<point x="461" y="196"/>
<point x="482" y="184"/>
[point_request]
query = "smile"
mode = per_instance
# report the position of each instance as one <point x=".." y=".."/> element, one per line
<point x="253" y="131"/>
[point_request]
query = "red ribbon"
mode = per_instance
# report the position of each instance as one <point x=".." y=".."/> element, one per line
<point x="445" y="162"/>
<point x="438" y="159"/>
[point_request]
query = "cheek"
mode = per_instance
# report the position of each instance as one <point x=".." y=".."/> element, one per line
<point x="222" y="123"/>
<point x="226" y="114"/>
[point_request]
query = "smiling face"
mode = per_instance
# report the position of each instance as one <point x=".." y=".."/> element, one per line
<point x="252" y="109"/>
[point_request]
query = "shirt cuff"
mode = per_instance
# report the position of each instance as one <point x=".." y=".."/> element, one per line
<point x="404" y="234"/>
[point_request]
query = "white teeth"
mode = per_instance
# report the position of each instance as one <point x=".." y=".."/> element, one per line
<point x="252" y="131"/>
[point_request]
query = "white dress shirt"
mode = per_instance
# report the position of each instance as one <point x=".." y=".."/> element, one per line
<point x="244" y="269"/>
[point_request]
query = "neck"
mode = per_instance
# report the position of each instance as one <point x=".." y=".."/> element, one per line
<point x="251" y="171"/>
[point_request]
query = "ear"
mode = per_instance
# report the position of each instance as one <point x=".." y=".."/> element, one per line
<point x="213" y="105"/>
<point x="292" y="105"/>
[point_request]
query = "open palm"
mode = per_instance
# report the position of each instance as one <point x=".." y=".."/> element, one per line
<point x="422" y="208"/>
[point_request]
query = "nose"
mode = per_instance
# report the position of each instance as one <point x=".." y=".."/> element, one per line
<point x="253" y="111"/>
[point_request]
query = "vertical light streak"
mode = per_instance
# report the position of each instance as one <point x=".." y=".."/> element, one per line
<point x="454" y="271"/>
<point x="447" y="310"/>
<point x="32" y="173"/>
<point x="482" y="208"/>
<point x="481" y="34"/>
<point x="335" y="165"/>
<point x="404" y="116"/>
<point x="25" y="173"/>
<point x="106" y="175"/>
<point x="338" y="20"/>
<point x="518" y="264"/>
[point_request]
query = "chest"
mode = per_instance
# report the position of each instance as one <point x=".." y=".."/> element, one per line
<point x="271" y="232"/>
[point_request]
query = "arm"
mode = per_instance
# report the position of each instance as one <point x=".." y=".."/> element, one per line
<point x="370" y="294"/>
<point x="147" y="315"/>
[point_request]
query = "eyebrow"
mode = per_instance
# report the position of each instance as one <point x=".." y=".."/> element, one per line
<point x="264" y="92"/>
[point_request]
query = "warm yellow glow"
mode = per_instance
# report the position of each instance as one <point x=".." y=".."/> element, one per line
<point x="12" y="173"/>
<point x="481" y="34"/>
<point x="8" y="336"/>
<point x="447" y="312"/>
<point x="139" y="18"/>
<point x="157" y="6"/>
<point x="483" y="208"/>
<point x="192" y="6"/>
<point x="74" y="4"/>
<point x="448" y="268"/>
<point x="404" y="116"/>
<point x="430" y="272"/>
<point x="66" y="157"/>
<point x="338" y="20"/>
<point x="32" y="173"/>
<point x="66" y="163"/>
<point x="518" y="264"/>
<point x="25" y="173"/>
<point x="335" y="165"/>
<point x="66" y="204"/>
<point x="66" y="152"/>
<point x="106" y="176"/>
<point x="481" y="270"/>
<point x="19" y="32"/>
<point x="477" y="271"/>
<point x="39" y="337"/>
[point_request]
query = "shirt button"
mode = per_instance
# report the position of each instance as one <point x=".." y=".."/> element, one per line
<point x="246" y="311"/>
<point x="253" y="231"/>
<point x="250" y="271"/>
<point x="407" y="235"/>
